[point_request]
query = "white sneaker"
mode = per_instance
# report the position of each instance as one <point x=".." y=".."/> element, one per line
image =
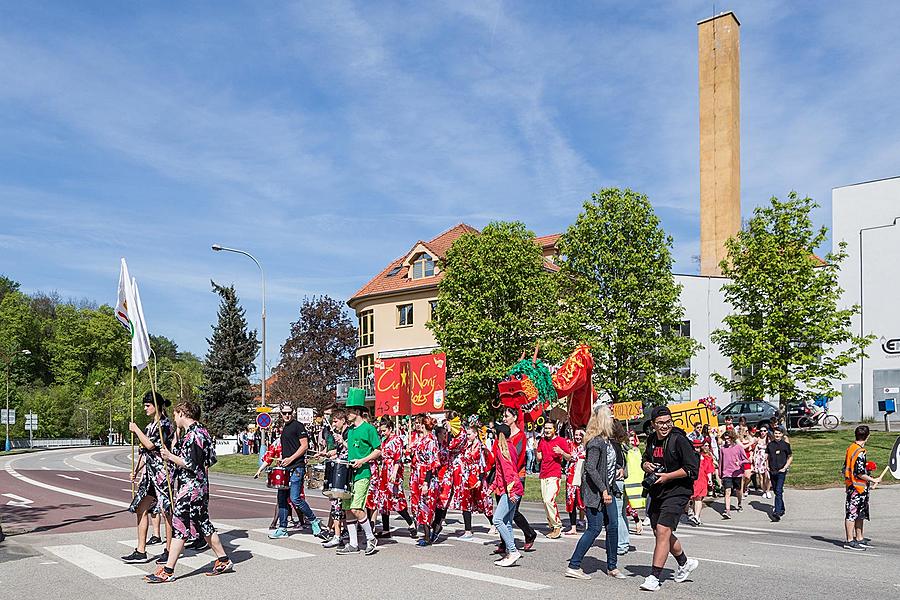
<point x="577" y="574"/>
<point x="466" y="535"/>
<point x="651" y="584"/>
<point x="511" y="559"/>
<point x="646" y="522"/>
<point x="682" y="573"/>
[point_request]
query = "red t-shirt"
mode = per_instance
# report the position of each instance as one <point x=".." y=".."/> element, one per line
<point x="551" y="462"/>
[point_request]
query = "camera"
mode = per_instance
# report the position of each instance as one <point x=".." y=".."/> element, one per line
<point x="651" y="478"/>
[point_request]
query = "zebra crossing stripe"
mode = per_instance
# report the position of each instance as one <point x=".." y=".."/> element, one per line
<point x="268" y="550"/>
<point x="94" y="562"/>
<point x="475" y="575"/>
<point x="194" y="561"/>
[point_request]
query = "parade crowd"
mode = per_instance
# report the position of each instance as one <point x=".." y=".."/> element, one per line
<point x="459" y="464"/>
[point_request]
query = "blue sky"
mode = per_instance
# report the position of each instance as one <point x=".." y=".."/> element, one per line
<point x="327" y="137"/>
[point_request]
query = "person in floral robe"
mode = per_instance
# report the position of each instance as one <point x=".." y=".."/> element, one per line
<point x="573" y="485"/>
<point x="193" y="455"/>
<point x="386" y="493"/>
<point x="423" y="480"/>
<point x="470" y="479"/>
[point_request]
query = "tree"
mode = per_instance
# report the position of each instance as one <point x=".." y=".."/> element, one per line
<point x="786" y="337"/>
<point x="163" y="347"/>
<point x="226" y="392"/>
<point x="320" y="350"/>
<point x="618" y="295"/>
<point x="493" y="304"/>
<point x="7" y="286"/>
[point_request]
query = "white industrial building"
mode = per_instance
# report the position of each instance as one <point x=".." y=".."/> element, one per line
<point x="869" y="212"/>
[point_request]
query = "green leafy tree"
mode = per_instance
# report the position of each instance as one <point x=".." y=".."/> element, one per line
<point x="618" y="295"/>
<point x="786" y="337"/>
<point x="7" y="286"/>
<point x="226" y="393"/>
<point x="320" y="350"/>
<point x="493" y="304"/>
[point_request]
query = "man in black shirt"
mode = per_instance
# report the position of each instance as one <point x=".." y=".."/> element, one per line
<point x="671" y="459"/>
<point x="294" y="444"/>
<point x="780" y="459"/>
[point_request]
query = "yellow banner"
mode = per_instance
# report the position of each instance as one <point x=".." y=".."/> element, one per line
<point x="623" y="411"/>
<point x="687" y="414"/>
<point x="262" y="409"/>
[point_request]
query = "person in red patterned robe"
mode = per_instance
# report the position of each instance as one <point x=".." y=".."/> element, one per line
<point x="470" y="479"/>
<point x="449" y="452"/>
<point x="423" y="480"/>
<point x="573" y="487"/>
<point x="386" y="492"/>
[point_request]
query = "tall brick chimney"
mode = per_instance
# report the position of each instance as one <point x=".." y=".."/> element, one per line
<point x="720" y="137"/>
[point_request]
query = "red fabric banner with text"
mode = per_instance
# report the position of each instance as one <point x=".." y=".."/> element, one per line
<point x="410" y="385"/>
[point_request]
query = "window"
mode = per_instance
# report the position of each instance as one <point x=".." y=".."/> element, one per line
<point x="433" y="304"/>
<point x="423" y="266"/>
<point x="366" y="373"/>
<point x="394" y="271"/>
<point x="404" y="315"/>
<point x="366" y="328"/>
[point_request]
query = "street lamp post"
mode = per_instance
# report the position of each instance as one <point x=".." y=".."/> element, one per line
<point x="862" y="358"/>
<point x="8" y="369"/>
<point x="262" y="387"/>
<point x="180" y="383"/>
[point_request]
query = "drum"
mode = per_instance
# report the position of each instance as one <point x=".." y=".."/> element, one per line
<point x="338" y="479"/>
<point x="278" y="479"/>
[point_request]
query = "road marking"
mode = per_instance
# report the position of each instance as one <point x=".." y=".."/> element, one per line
<point x="68" y="477"/>
<point x="194" y="561"/>
<point x="515" y="583"/>
<point x="117" y="503"/>
<point x="700" y="531"/>
<point x="749" y="530"/>
<point x="254" y="495"/>
<point x="298" y="537"/>
<point x="19" y="501"/>
<point x="95" y="563"/>
<point x="724" y="562"/>
<point x="267" y="550"/>
<point x="412" y="542"/>
<point x="49" y="562"/>
<point x="45" y="468"/>
<point x="844" y="552"/>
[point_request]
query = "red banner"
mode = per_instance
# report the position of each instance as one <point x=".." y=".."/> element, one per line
<point x="411" y="385"/>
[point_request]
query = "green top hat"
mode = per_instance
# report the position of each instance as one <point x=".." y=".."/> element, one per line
<point x="356" y="397"/>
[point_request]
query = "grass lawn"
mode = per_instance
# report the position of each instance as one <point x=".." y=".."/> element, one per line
<point x="819" y="457"/>
<point x="236" y="464"/>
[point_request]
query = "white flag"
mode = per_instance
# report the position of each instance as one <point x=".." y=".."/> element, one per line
<point x="122" y="301"/>
<point x="140" y="341"/>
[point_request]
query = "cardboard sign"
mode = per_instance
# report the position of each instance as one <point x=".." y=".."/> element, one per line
<point x="411" y="385"/>
<point x="624" y="411"/>
<point x="687" y="414"/>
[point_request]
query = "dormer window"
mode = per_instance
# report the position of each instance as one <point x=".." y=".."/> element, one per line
<point x="423" y="266"/>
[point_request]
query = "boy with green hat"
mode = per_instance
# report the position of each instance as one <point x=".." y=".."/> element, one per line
<point x="363" y="447"/>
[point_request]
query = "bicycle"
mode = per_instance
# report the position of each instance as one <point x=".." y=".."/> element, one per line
<point x="822" y="417"/>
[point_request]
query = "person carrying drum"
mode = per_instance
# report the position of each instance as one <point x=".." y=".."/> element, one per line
<point x="363" y="447"/>
<point x="272" y="455"/>
<point x="336" y="447"/>
<point x="294" y="444"/>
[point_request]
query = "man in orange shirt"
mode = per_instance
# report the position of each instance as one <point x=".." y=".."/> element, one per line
<point x="858" y="482"/>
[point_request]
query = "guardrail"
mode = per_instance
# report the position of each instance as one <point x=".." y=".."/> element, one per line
<point x="53" y="443"/>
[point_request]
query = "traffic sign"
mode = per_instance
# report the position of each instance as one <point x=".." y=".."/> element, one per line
<point x="31" y="422"/>
<point x="7" y="416"/>
<point x="263" y="409"/>
<point x="264" y="420"/>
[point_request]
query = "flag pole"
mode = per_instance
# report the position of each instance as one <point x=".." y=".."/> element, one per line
<point x="132" y="433"/>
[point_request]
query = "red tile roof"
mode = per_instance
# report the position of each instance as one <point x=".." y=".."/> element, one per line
<point x="399" y="282"/>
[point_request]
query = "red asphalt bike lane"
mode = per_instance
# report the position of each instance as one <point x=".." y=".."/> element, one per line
<point x="53" y="511"/>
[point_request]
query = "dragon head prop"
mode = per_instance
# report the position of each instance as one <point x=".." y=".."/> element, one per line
<point x="527" y="387"/>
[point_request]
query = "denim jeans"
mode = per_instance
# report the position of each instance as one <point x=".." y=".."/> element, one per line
<point x="596" y="519"/>
<point x="297" y="475"/>
<point x="503" y="519"/>
<point x="529" y="461"/>
<point x="778" y="488"/>
<point x="618" y="504"/>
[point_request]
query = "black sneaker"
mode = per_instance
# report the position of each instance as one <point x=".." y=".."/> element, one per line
<point x="854" y="545"/>
<point x="199" y="545"/>
<point x="163" y="558"/>
<point x="413" y="531"/>
<point x="135" y="557"/>
<point x="776" y="518"/>
<point x="154" y="541"/>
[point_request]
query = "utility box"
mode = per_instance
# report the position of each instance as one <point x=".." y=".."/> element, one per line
<point x="888" y="406"/>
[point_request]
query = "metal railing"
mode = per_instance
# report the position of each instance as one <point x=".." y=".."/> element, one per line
<point x="53" y="443"/>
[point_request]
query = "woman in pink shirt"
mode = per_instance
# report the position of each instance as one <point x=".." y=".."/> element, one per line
<point x="508" y="488"/>
<point x="731" y="470"/>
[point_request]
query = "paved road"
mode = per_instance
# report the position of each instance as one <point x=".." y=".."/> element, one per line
<point x="67" y="511"/>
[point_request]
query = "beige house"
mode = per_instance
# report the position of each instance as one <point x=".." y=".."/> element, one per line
<point x="394" y="307"/>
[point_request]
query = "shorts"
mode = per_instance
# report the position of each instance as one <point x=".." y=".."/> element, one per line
<point x="358" y="500"/>
<point x="857" y="506"/>
<point x="666" y="511"/>
<point x="731" y="483"/>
